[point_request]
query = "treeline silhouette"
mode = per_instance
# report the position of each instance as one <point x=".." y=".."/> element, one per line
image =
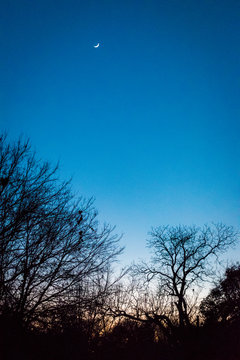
<point x="60" y="297"/>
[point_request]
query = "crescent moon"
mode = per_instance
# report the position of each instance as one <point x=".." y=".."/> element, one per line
<point x="96" y="46"/>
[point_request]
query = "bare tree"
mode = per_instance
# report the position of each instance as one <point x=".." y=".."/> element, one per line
<point x="48" y="241"/>
<point x="86" y="303"/>
<point x="182" y="259"/>
<point x="139" y="301"/>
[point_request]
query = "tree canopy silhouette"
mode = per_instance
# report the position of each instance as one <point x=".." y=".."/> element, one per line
<point x="223" y="303"/>
<point x="181" y="260"/>
<point x="50" y="243"/>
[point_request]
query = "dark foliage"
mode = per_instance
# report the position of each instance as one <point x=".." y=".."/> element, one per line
<point x="223" y="302"/>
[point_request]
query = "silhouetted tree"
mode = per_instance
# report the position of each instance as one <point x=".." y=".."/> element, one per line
<point x="223" y="302"/>
<point x="139" y="301"/>
<point x="182" y="259"/>
<point x="84" y="307"/>
<point x="49" y="243"/>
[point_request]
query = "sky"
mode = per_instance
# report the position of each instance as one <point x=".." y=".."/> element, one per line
<point x="147" y="123"/>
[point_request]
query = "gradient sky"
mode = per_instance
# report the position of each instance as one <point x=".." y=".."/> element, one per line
<point x="148" y="123"/>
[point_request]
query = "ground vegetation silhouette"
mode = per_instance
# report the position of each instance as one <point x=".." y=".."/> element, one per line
<point x="59" y="296"/>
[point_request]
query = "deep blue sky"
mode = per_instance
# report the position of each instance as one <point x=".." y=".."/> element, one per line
<point x="148" y="123"/>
